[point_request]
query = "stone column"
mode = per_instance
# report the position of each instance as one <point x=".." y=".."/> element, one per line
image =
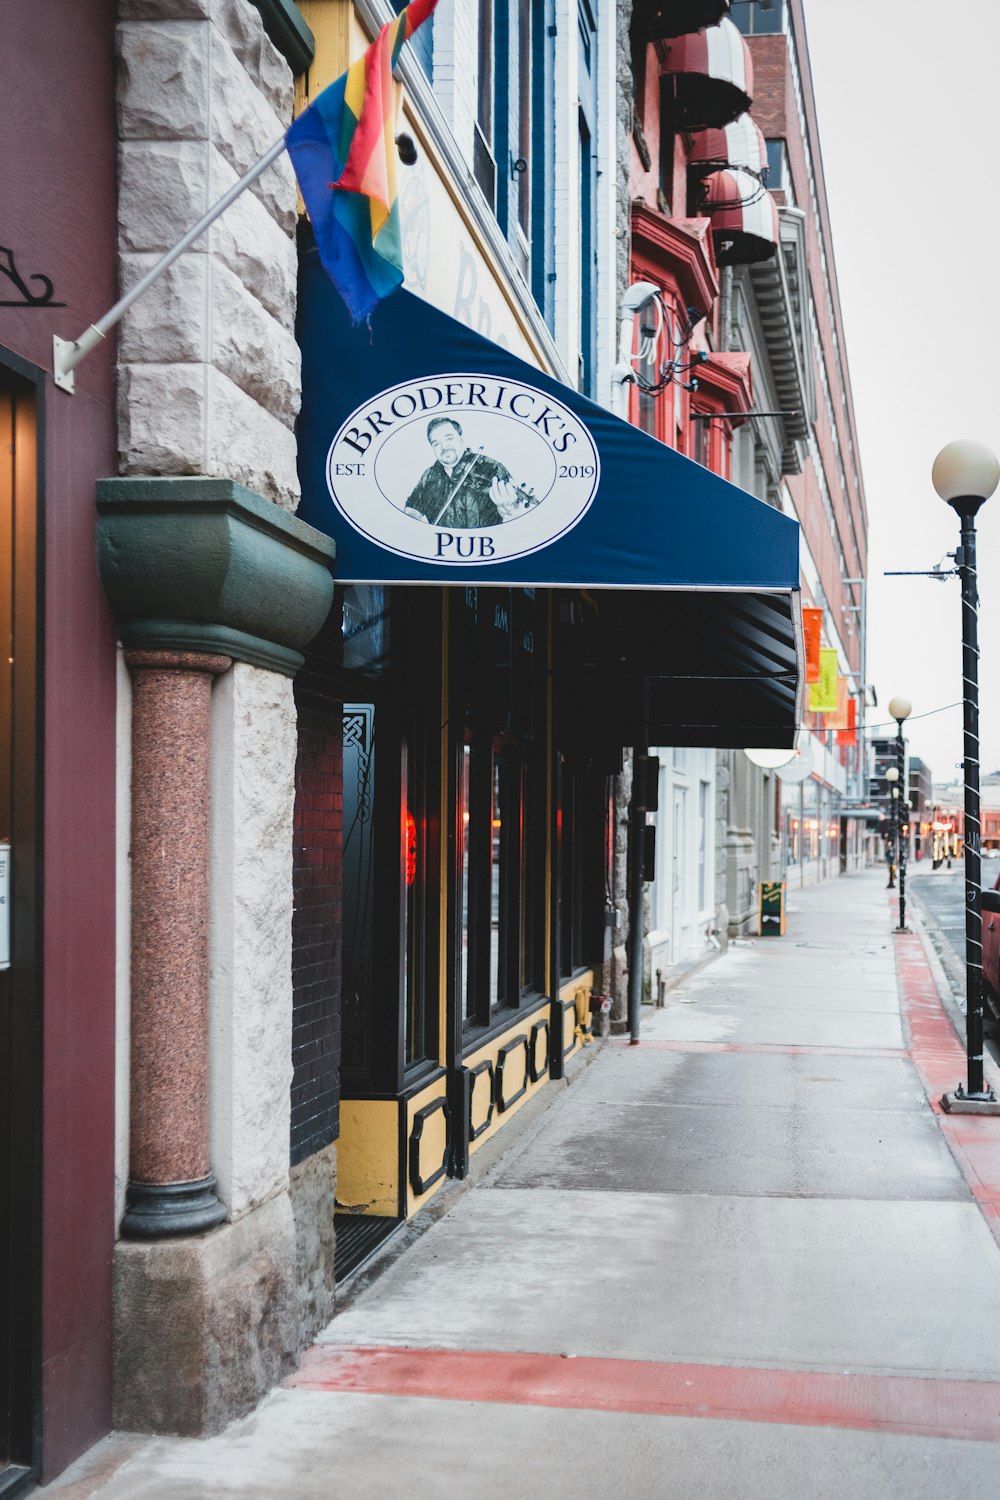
<point x="171" y="1189"/>
<point x="206" y="577"/>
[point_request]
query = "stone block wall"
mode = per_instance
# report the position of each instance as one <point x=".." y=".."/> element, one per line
<point x="253" y="756"/>
<point x="209" y="385"/>
<point x="208" y="362"/>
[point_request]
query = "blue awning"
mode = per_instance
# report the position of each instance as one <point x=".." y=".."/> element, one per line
<point x="435" y="456"/>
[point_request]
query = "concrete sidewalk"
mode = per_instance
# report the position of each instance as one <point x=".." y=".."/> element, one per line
<point x="748" y="1258"/>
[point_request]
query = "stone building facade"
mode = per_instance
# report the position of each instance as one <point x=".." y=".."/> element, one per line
<point x="220" y="1085"/>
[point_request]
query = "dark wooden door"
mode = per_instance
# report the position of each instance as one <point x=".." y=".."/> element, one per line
<point x="19" y="1011"/>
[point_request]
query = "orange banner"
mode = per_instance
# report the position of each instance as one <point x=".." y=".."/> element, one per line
<point x="812" y="630"/>
<point x="849" y="736"/>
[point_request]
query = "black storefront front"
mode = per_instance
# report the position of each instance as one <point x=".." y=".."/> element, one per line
<point x="476" y="685"/>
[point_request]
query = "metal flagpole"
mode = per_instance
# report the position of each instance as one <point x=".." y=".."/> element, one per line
<point x="67" y="353"/>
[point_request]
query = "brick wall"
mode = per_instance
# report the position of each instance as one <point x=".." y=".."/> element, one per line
<point x="317" y="882"/>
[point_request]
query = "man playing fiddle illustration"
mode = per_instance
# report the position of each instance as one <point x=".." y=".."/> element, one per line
<point x="463" y="487"/>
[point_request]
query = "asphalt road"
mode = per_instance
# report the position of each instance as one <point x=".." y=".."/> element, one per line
<point x="940" y="894"/>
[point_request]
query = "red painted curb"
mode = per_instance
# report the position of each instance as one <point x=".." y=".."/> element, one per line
<point x="939" y="1058"/>
<point x="874" y="1403"/>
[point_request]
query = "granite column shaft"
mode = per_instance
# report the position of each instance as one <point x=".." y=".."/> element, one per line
<point x="171" y="1189"/>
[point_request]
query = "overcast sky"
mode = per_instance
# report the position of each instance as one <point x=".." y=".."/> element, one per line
<point x="908" y="98"/>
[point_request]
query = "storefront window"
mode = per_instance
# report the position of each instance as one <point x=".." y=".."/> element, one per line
<point x="500" y="801"/>
<point x="703" y="791"/>
<point x="581" y="869"/>
<point x="532" y="893"/>
<point x="500" y="894"/>
<point x="499" y="879"/>
<point x="465" y="806"/>
<point x="359" y="886"/>
<point x="419" y="997"/>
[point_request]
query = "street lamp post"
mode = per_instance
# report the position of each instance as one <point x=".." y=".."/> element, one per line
<point x="965" y="474"/>
<point x="901" y="708"/>
<point x="892" y="776"/>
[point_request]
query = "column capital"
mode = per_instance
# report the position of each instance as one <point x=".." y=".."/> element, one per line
<point x="199" y="565"/>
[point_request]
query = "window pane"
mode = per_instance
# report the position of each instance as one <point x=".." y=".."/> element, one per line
<point x="465" y="806"/>
<point x="485" y="101"/>
<point x="532" y="889"/>
<point x="524" y="122"/>
<point x="703" y="846"/>
<point x="359" y="885"/>
<point x="419" y="1032"/>
<point x="497" y="976"/>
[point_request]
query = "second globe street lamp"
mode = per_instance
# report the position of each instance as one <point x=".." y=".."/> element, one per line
<point x="892" y="776"/>
<point x="901" y="708"/>
<point x="965" y="474"/>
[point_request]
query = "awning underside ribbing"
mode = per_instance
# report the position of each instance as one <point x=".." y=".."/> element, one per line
<point x="677" y="668"/>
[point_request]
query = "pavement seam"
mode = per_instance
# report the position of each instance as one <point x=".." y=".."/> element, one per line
<point x="800" y="1049"/>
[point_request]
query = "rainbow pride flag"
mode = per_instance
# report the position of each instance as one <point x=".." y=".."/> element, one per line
<point x="344" y="154"/>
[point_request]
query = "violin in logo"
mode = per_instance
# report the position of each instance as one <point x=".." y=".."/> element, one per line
<point x="463" y="469"/>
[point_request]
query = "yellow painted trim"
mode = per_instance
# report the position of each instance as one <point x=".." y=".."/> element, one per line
<point x="481" y="1097"/>
<point x="570" y="1034"/>
<point x="368" y="1157"/>
<point x="584" y="980"/>
<point x="579" y="991"/>
<point x="330" y="23"/>
<point x="491" y="1049"/>
<point x="435" y="1090"/>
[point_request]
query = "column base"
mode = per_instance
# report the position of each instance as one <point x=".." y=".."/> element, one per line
<point x="204" y="1327"/>
<point x="155" y="1209"/>
<point x="961" y="1103"/>
<point x="312" y="1188"/>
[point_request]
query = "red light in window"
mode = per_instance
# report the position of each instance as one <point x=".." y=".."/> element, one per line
<point x="411" y="849"/>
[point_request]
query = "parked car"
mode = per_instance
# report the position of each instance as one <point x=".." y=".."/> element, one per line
<point x="991" y="948"/>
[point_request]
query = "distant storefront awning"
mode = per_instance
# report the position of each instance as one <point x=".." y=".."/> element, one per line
<point x="712" y="76"/>
<point x="653" y="20"/>
<point x="744" y="218"/>
<point x="739" y="144"/>
<point x="434" y="456"/>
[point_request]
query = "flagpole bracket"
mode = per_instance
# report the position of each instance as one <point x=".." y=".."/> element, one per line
<point x="62" y="364"/>
<point x="67" y="354"/>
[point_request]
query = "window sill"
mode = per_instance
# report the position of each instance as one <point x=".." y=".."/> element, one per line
<point x="419" y="1075"/>
<point x="504" y="1020"/>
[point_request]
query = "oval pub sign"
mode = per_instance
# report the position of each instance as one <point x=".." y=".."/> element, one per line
<point x="463" y="469"/>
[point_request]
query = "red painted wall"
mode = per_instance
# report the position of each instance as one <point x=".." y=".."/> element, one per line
<point x="59" y="220"/>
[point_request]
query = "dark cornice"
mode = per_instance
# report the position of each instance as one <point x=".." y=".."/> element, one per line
<point x="286" y="26"/>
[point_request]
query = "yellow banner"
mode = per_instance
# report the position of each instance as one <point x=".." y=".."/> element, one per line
<point x="823" y="694"/>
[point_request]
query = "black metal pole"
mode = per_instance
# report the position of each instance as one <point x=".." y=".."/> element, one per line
<point x="636" y="887"/>
<point x="967" y="508"/>
<point x="902" y="839"/>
